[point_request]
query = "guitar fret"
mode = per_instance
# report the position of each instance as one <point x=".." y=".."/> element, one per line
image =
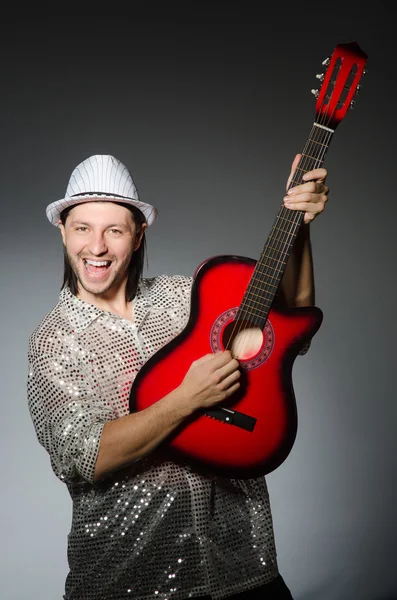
<point x="277" y="249"/>
<point x="251" y="295"/>
<point x="260" y="265"/>
<point x="318" y="143"/>
<point x="261" y="288"/>
<point x="284" y="231"/>
<point x="255" y="312"/>
<point x="285" y="219"/>
<point x="314" y="158"/>
<point x="267" y="275"/>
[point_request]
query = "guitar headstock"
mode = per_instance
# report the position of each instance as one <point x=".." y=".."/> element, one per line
<point x="340" y="83"/>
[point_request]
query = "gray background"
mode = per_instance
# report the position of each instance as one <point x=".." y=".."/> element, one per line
<point x="208" y="111"/>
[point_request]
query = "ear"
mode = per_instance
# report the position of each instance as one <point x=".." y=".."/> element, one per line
<point x="63" y="232"/>
<point x="140" y="236"/>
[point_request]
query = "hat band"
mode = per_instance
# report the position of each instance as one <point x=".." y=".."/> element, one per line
<point x="100" y="194"/>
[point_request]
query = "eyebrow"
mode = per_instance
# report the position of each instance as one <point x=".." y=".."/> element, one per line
<point x="118" y="225"/>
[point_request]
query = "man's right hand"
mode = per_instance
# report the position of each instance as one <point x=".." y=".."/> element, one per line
<point x="210" y="380"/>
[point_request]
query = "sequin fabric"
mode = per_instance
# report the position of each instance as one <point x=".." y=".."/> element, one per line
<point x="154" y="530"/>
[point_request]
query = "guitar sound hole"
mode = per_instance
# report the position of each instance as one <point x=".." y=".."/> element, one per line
<point x="243" y="339"/>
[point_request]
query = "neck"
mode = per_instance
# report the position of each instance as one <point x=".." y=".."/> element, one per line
<point x="113" y="301"/>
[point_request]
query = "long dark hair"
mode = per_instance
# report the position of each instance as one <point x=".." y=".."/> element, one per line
<point x="137" y="262"/>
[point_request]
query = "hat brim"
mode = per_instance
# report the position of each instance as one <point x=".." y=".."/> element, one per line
<point x="54" y="210"/>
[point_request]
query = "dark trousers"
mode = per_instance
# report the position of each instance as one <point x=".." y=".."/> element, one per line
<point x="275" y="590"/>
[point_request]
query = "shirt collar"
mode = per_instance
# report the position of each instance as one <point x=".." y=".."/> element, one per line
<point x="81" y="313"/>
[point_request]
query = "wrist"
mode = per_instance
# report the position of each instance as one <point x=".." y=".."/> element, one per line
<point x="180" y="404"/>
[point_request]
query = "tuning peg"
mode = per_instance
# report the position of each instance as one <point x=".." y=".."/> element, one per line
<point x="315" y="93"/>
<point x="320" y="76"/>
<point x="358" y="88"/>
<point x="326" y="62"/>
<point x="352" y="104"/>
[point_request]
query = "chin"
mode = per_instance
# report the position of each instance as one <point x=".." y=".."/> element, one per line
<point x="95" y="289"/>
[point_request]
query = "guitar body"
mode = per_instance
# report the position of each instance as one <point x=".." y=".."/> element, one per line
<point x="266" y="393"/>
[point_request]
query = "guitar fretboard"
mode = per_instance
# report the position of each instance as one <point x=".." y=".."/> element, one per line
<point x="270" y="267"/>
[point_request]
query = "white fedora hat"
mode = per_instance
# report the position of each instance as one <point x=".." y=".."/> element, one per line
<point x="100" y="177"/>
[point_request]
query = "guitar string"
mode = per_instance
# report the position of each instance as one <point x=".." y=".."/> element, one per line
<point x="322" y="137"/>
<point x="317" y="136"/>
<point x="277" y="246"/>
<point x="287" y="238"/>
<point x="286" y="242"/>
<point x="303" y="165"/>
<point x="325" y="120"/>
<point x="264" y="267"/>
<point x="270" y="262"/>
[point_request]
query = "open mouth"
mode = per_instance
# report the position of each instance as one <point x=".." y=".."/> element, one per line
<point x="97" y="268"/>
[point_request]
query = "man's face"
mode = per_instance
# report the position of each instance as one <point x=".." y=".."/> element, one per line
<point x="100" y="238"/>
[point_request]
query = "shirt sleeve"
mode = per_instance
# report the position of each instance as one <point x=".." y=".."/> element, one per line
<point x="182" y="289"/>
<point x="67" y="412"/>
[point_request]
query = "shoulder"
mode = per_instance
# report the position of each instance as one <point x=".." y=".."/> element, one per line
<point x="167" y="284"/>
<point x="47" y="336"/>
<point x="167" y="289"/>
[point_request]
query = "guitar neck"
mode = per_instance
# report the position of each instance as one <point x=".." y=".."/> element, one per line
<point x="340" y="83"/>
<point x="270" y="267"/>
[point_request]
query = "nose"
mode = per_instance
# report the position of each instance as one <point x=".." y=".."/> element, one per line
<point x="97" y="245"/>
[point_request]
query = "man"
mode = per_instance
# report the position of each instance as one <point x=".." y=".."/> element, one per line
<point x="144" y="527"/>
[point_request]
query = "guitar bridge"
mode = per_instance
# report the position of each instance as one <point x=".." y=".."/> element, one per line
<point x="232" y="417"/>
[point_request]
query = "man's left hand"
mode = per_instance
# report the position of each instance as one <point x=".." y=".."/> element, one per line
<point x="309" y="197"/>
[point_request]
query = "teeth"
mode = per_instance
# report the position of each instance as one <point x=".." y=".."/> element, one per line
<point x="97" y="263"/>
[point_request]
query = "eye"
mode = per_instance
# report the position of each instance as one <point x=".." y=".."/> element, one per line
<point x="81" y="228"/>
<point x="116" y="231"/>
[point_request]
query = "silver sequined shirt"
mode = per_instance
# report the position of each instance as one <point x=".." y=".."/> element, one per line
<point x="154" y="530"/>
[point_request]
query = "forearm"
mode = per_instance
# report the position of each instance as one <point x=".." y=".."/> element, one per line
<point x="132" y="437"/>
<point x="297" y="285"/>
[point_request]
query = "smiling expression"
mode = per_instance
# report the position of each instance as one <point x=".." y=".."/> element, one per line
<point x="100" y="239"/>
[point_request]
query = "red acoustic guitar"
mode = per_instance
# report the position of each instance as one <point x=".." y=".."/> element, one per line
<point x="232" y="308"/>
